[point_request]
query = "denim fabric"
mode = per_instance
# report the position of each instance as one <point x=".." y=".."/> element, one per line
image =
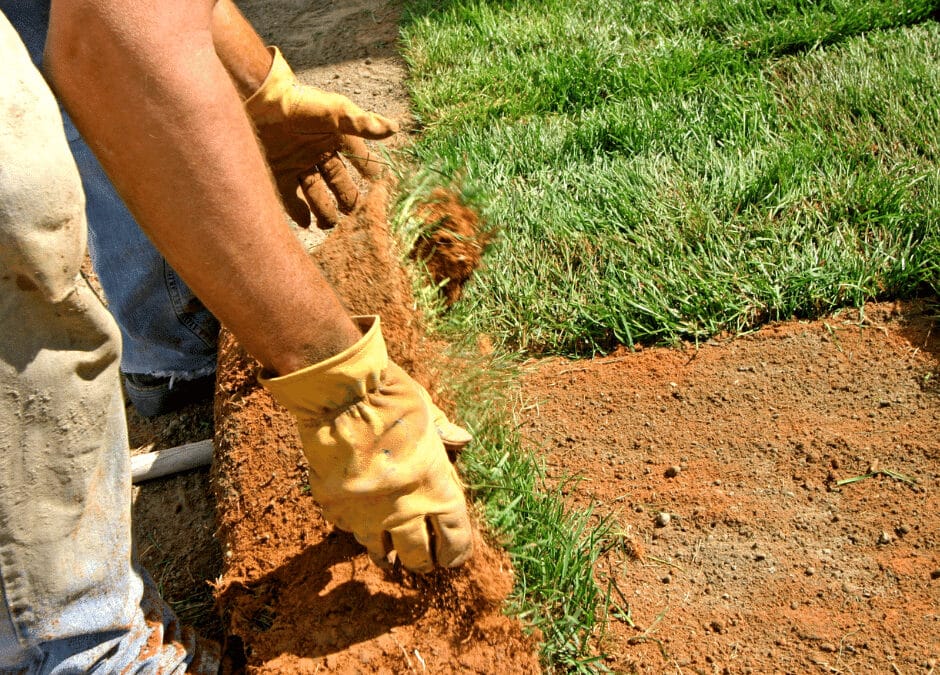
<point x="166" y="330"/>
<point x="71" y="598"/>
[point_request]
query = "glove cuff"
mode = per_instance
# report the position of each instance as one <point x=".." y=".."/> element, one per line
<point x="339" y="382"/>
<point x="268" y="105"/>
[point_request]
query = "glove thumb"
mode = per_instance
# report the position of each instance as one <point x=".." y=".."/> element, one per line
<point x="315" y="111"/>
<point x="454" y="437"/>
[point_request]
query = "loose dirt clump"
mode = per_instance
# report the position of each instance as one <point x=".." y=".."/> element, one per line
<point x="298" y="596"/>
<point x="763" y="562"/>
<point x="453" y="242"/>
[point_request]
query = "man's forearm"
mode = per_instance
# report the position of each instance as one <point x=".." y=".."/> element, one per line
<point x="143" y="83"/>
<point x="240" y="48"/>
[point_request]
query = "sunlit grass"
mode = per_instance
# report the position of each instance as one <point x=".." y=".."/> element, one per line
<point x="659" y="173"/>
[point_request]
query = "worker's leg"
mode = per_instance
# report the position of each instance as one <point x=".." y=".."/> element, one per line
<point x="71" y="600"/>
<point x="169" y="337"/>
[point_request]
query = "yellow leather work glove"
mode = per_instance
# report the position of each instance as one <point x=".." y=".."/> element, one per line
<point x="378" y="466"/>
<point x="454" y="437"/>
<point x="303" y="130"/>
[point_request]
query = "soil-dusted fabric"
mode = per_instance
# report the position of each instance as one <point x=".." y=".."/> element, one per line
<point x="72" y="598"/>
<point x="165" y="330"/>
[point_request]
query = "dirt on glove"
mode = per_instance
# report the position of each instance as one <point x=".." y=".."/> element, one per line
<point x="297" y="595"/>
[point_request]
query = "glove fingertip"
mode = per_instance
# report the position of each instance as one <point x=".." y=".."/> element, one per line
<point x="381" y="561"/>
<point x="320" y="201"/>
<point x="382" y="127"/>
<point x="377" y="547"/>
<point x="454" y="437"/>
<point x="454" y="539"/>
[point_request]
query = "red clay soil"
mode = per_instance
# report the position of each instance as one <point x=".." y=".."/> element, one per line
<point x="763" y="562"/>
<point x="298" y="596"/>
<point x="453" y="243"/>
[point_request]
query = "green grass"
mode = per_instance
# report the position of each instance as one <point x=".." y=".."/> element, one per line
<point x="667" y="170"/>
<point x="553" y="548"/>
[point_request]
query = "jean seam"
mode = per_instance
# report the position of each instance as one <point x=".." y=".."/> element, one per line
<point x="185" y="318"/>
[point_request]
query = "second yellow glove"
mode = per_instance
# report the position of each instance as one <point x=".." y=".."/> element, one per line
<point x="304" y="130"/>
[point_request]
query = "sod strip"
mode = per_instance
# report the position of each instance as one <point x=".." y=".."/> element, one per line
<point x="667" y="171"/>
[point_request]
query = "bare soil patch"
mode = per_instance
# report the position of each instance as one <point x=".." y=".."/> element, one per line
<point x="766" y="563"/>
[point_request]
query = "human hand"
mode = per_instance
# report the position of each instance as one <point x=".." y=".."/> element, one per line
<point x="305" y="132"/>
<point x="378" y="466"/>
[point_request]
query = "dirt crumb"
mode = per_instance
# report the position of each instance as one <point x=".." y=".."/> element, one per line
<point x="454" y="241"/>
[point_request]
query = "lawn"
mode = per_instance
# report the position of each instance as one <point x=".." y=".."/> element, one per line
<point x="664" y="171"/>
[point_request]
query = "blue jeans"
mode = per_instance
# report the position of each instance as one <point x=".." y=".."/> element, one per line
<point x="165" y="330"/>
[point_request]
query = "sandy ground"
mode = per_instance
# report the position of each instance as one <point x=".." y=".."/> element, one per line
<point x="735" y="547"/>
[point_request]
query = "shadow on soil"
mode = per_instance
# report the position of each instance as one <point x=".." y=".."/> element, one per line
<point x="310" y="578"/>
<point x="919" y="324"/>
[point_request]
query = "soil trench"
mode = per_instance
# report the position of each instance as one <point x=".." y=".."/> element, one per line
<point x="298" y="596"/>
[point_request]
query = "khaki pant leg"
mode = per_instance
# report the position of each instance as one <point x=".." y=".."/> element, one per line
<point x="72" y="598"/>
<point x="65" y="557"/>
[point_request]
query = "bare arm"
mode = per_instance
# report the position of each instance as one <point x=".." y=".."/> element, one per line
<point x="240" y="48"/>
<point x="145" y="87"/>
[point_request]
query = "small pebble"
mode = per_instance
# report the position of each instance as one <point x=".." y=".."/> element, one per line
<point x="673" y="471"/>
<point x="935" y="574"/>
<point x="885" y="538"/>
<point x="662" y="519"/>
<point x="810" y="571"/>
